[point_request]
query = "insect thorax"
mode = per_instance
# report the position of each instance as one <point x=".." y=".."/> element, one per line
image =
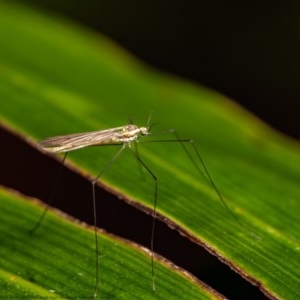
<point x="131" y="132"/>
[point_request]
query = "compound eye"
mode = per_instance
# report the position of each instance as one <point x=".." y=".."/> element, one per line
<point x="144" y="131"/>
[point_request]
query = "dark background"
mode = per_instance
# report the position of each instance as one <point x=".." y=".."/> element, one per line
<point x="247" y="50"/>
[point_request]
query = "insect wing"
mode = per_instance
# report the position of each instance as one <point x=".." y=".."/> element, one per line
<point x="80" y="140"/>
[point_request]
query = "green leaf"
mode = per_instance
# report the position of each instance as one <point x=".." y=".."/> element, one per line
<point x="44" y="265"/>
<point x="57" y="78"/>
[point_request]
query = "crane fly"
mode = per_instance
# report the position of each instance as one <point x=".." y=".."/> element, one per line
<point x="119" y="135"/>
<point x="124" y="136"/>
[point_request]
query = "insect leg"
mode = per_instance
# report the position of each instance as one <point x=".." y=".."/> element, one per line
<point x="199" y="157"/>
<point x="153" y="213"/>
<point x="106" y="167"/>
<point x="58" y="175"/>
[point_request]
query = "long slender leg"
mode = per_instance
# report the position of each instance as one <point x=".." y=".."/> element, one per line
<point x="153" y="214"/>
<point x="211" y="181"/>
<point x="205" y="170"/>
<point x="183" y="143"/>
<point x="58" y="175"/>
<point x="191" y="142"/>
<point x="106" y="167"/>
<point x="136" y="150"/>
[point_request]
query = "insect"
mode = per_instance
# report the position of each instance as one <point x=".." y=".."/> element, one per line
<point x="125" y="136"/>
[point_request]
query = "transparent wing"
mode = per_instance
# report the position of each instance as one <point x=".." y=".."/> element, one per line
<point x="75" y="141"/>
